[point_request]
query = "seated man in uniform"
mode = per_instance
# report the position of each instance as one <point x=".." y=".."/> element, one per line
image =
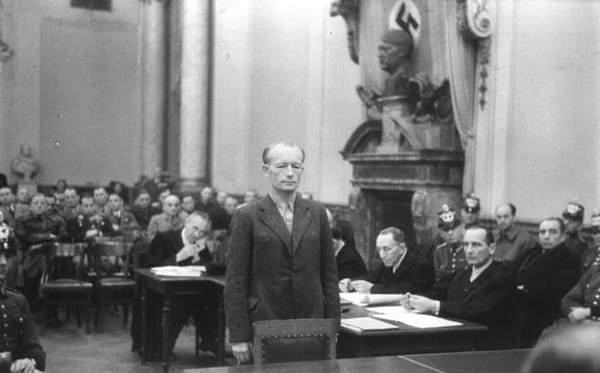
<point x="122" y="220"/>
<point x="480" y="293"/>
<point x="592" y="254"/>
<point x="19" y="347"/>
<point x="402" y="269"/>
<point x="88" y="224"/>
<point x="37" y="232"/>
<point x="187" y="246"/>
<point x="470" y="210"/>
<point x="583" y="301"/>
<point x="449" y="256"/>
<point x="71" y="206"/>
<point x="573" y="216"/>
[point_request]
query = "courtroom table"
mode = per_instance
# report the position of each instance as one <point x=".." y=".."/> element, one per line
<point x="505" y="361"/>
<point x="404" y="339"/>
<point x="169" y="288"/>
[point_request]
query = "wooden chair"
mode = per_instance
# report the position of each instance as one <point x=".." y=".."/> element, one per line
<point x="113" y="283"/>
<point x="63" y="282"/>
<point x="294" y="340"/>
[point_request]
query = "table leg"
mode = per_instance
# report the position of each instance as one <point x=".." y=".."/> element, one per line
<point x="143" y="323"/>
<point x="220" y="327"/>
<point x="166" y="316"/>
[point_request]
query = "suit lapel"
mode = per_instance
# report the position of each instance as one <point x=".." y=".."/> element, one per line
<point x="301" y="220"/>
<point x="271" y="217"/>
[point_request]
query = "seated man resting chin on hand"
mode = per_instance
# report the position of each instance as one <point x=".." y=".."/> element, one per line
<point x="402" y="270"/>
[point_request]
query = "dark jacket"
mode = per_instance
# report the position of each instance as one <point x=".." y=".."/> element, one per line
<point x="488" y="300"/>
<point x="272" y="274"/>
<point x="17" y="333"/>
<point x="414" y="275"/>
<point x="350" y="263"/>
<point x="165" y="246"/>
<point x="545" y="278"/>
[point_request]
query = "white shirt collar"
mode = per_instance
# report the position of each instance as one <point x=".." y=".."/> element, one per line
<point x="397" y="265"/>
<point x="478" y="271"/>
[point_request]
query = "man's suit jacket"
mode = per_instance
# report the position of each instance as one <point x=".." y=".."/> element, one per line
<point x="274" y="275"/>
<point x="546" y="277"/>
<point x="350" y="263"/>
<point x="415" y="275"/>
<point x="488" y="300"/>
<point x="165" y="246"/>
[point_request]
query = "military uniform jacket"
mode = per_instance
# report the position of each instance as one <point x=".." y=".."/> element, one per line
<point x="350" y="263"/>
<point x="272" y="274"/>
<point x="17" y="333"/>
<point x="447" y="261"/>
<point x="414" y="275"/>
<point x="36" y="230"/>
<point x="79" y="225"/>
<point x="576" y="244"/>
<point x="586" y="293"/>
<point x="123" y="219"/>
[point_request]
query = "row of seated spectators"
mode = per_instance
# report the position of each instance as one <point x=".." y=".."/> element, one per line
<point x="506" y="278"/>
<point x="29" y="223"/>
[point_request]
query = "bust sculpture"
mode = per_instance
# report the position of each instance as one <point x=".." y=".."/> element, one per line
<point x="24" y="166"/>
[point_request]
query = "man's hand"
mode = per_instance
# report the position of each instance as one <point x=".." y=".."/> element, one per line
<point x="421" y="304"/>
<point x="241" y="351"/>
<point x="361" y="286"/>
<point x="23" y="366"/>
<point x="186" y="252"/>
<point x="90" y="233"/>
<point x="344" y="285"/>
<point x="579" y="314"/>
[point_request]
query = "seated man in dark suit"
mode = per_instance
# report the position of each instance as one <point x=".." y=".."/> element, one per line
<point x="187" y="246"/>
<point x="349" y="262"/>
<point x="402" y="269"/>
<point x="544" y="275"/>
<point x="479" y="293"/>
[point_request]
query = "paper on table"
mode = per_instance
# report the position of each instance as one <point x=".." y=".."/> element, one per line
<point x="370" y="299"/>
<point x="367" y="323"/>
<point x="388" y="309"/>
<point x="179" y="271"/>
<point x="418" y="320"/>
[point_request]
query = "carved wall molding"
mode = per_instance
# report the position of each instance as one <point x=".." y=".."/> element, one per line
<point x="475" y="19"/>
<point x="348" y="9"/>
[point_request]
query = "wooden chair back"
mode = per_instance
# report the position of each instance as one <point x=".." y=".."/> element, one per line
<point x="294" y="340"/>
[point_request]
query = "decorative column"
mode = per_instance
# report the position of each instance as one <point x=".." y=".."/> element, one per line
<point x="195" y="91"/>
<point x="154" y="84"/>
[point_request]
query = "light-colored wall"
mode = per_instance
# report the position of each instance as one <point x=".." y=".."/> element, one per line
<point x="72" y="90"/>
<point x="282" y="71"/>
<point x="539" y="137"/>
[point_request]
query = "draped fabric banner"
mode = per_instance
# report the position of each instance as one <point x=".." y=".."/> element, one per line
<point x="461" y="70"/>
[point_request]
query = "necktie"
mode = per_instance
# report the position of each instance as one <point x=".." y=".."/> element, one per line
<point x="288" y="217"/>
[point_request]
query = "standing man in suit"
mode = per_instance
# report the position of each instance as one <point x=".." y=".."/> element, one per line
<point x="281" y="263"/>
